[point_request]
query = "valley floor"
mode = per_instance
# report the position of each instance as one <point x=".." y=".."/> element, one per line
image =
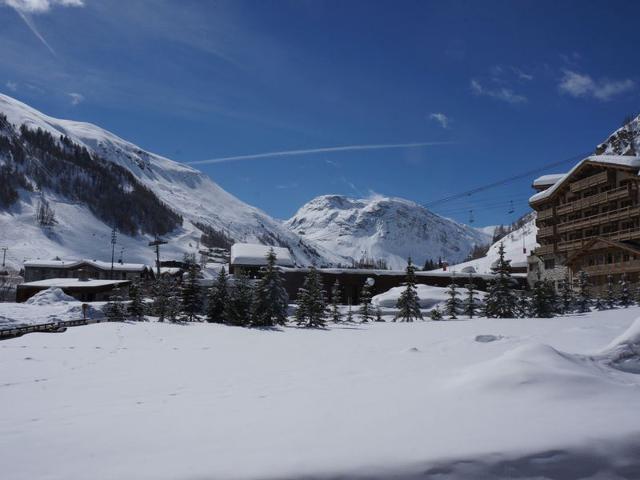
<point x="486" y="398"/>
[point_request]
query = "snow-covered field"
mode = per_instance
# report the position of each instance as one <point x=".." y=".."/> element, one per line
<point x="513" y="398"/>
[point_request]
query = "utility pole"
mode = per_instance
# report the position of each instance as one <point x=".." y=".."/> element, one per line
<point x="156" y="243"/>
<point x="4" y="254"/>
<point x="114" y="238"/>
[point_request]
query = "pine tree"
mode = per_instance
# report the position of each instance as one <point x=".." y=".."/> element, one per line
<point x="542" y="304"/>
<point x="566" y="295"/>
<point x="218" y="298"/>
<point x="270" y="300"/>
<point x="349" y="314"/>
<point x="174" y="305"/>
<point x="379" y="315"/>
<point x="452" y="305"/>
<point x="470" y="301"/>
<point x="436" y="314"/>
<point x="161" y="292"/>
<point x="584" y="292"/>
<point x="238" y="308"/>
<point x="599" y="304"/>
<point x="625" y="292"/>
<point x="312" y="308"/>
<point x="523" y="305"/>
<point x="500" y="301"/>
<point x="336" y="316"/>
<point x="190" y="292"/>
<point x="610" y="296"/>
<point x="408" y="303"/>
<point x="135" y="308"/>
<point x="115" y="309"/>
<point x="365" y="310"/>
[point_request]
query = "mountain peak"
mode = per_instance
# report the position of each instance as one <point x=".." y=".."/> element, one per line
<point x="624" y="141"/>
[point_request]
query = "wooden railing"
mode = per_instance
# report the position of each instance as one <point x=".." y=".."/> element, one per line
<point x="621" y="235"/>
<point x="597" y="199"/>
<point x="544" y="249"/>
<point x="591" y="181"/>
<point x="546" y="231"/>
<point x="545" y="214"/>
<point x="612" y="268"/>
<point x="594" y="220"/>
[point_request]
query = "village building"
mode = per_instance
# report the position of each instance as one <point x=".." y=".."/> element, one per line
<point x="82" y="289"/>
<point x="588" y="219"/>
<point x="35" y="270"/>
<point x="250" y="258"/>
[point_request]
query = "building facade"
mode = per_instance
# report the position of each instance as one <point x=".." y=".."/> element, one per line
<point x="589" y="219"/>
<point x="35" y="270"/>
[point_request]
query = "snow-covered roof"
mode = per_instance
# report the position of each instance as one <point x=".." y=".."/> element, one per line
<point x="129" y="267"/>
<point x="252" y="254"/>
<point x="547" y="180"/>
<point x="72" y="282"/>
<point x="620" y="160"/>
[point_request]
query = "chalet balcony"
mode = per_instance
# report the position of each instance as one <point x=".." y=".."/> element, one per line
<point x="545" y="214"/>
<point x="544" y="249"/>
<point x="546" y="232"/>
<point x="600" y="198"/>
<point x="619" y="236"/>
<point x="600" y="219"/>
<point x="613" y="268"/>
<point x="588" y="182"/>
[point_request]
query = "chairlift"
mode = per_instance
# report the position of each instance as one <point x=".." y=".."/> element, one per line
<point x="511" y="210"/>
<point x="471" y="219"/>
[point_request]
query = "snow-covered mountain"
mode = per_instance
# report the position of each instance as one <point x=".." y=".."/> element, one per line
<point x="517" y="244"/>
<point x="624" y="141"/>
<point x="83" y="225"/>
<point x="383" y="228"/>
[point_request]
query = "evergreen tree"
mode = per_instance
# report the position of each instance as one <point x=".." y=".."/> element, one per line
<point x="135" y="308"/>
<point x="115" y="309"/>
<point x="174" y="305"/>
<point x="271" y="300"/>
<point x="584" y="292"/>
<point x="542" y="300"/>
<point x="599" y="304"/>
<point x="365" y="310"/>
<point x="161" y="292"/>
<point x="566" y="295"/>
<point x="336" y="316"/>
<point x="452" y="305"/>
<point x="349" y="314"/>
<point x="470" y="302"/>
<point x="312" y="308"/>
<point x="238" y="308"/>
<point x="190" y="293"/>
<point x="625" y="292"/>
<point x="610" y="296"/>
<point x="637" y="294"/>
<point x="523" y="305"/>
<point x="408" y="304"/>
<point x="435" y="314"/>
<point x="379" y="315"/>
<point x="500" y="301"/>
<point x="218" y="298"/>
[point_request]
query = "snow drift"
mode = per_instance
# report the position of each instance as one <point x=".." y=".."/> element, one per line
<point x="50" y="296"/>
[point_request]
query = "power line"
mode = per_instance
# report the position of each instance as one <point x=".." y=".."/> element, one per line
<point x="504" y="181"/>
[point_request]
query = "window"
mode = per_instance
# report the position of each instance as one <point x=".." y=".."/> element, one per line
<point x="549" y="264"/>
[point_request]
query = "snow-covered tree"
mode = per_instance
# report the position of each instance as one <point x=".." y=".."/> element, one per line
<point x="625" y="297"/>
<point x="135" y="309"/>
<point x="567" y="297"/>
<point x="217" y="298"/>
<point x="336" y="316"/>
<point x="365" y="311"/>
<point x="162" y="289"/>
<point x="542" y="300"/>
<point x="349" y="314"/>
<point x="174" y="305"/>
<point x="435" y="313"/>
<point x="500" y="301"/>
<point x="523" y="305"/>
<point x="312" y="308"/>
<point x="190" y="292"/>
<point x="452" y="304"/>
<point x="599" y="304"/>
<point x="610" y="294"/>
<point x="238" y="309"/>
<point x="408" y="303"/>
<point x="115" y="309"/>
<point x="470" y="307"/>
<point x="583" y="298"/>
<point x="270" y="300"/>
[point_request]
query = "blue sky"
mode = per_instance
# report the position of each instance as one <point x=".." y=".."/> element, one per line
<point x="494" y="88"/>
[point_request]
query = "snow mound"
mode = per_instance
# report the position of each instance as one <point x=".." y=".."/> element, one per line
<point x="428" y="296"/>
<point x="50" y="296"/>
<point x="532" y="366"/>
<point x="488" y="338"/>
<point x="623" y="352"/>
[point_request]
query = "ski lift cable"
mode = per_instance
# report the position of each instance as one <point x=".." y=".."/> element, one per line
<point x="503" y="181"/>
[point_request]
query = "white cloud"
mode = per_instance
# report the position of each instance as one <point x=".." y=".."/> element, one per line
<point x="501" y="93"/>
<point x="76" y="98"/>
<point x="583" y="85"/>
<point x="441" y="118"/>
<point x="40" y="6"/>
<point x="13" y="86"/>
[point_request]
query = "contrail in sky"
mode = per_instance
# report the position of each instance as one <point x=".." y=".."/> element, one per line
<point x="311" y="151"/>
<point x="35" y="31"/>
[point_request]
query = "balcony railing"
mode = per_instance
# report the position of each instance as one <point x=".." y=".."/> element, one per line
<point x="545" y="214"/>
<point x="621" y="235"/>
<point x="601" y="218"/>
<point x="613" y="268"/>
<point x="544" y="249"/>
<point x="591" y="181"/>
<point x="546" y="232"/>
<point x="604" y="197"/>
